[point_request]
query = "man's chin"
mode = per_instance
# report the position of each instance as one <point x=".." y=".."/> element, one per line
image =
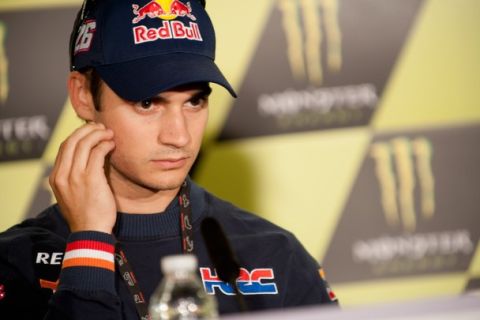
<point x="154" y="180"/>
<point x="164" y="183"/>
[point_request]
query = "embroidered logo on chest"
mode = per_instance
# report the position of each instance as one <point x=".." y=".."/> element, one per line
<point x="257" y="281"/>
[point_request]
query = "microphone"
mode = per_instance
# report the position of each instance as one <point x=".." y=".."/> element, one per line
<point x="222" y="256"/>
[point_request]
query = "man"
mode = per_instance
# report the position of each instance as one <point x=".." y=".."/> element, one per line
<point x="140" y="75"/>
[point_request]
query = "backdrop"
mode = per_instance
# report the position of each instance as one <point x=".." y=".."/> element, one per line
<point x="357" y="127"/>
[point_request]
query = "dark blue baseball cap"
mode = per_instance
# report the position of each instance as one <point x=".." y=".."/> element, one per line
<point x="141" y="48"/>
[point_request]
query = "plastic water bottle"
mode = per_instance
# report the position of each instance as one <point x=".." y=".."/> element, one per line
<point x="180" y="295"/>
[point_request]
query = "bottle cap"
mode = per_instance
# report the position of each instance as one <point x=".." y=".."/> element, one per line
<point x="181" y="262"/>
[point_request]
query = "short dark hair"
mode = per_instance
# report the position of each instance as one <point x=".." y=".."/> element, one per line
<point x="95" y="85"/>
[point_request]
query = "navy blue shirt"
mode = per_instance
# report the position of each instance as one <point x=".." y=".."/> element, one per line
<point x="276" y="271"/>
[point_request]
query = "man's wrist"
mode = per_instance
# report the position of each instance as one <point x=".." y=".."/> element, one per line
<point x="90" y="228"/>
<point x="88" y="263"/>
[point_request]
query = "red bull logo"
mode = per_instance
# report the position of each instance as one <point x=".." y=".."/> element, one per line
<point x="166" y="10"/>
<point x="168" y="30"/>
<point x="163" y="9"/>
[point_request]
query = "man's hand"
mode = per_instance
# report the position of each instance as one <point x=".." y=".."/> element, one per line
<point x="79" y="183"/>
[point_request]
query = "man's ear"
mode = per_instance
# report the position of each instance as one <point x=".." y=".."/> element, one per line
<point x="80" y="96"/>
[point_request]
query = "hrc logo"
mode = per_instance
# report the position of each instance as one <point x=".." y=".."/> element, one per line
<point x="249" y="283"/>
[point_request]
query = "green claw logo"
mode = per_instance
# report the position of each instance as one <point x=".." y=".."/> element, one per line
<point x="302" y="21"/>
<point x="401" y="164"/>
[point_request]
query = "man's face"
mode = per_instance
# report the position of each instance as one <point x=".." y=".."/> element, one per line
<point x="156" y="140"/>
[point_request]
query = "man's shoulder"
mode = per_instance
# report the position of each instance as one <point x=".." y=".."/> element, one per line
<point x="48" y="225"/>
<point x="32" y="250"/>
<point x="262" y="245"/>
<point x="241" y="223"/>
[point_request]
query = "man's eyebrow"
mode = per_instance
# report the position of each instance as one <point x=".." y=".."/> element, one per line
<point x="203" y="93"/>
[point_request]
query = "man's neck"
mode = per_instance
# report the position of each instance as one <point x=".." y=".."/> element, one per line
<point x="156" y="202"/>
<point x="133" y="198"/>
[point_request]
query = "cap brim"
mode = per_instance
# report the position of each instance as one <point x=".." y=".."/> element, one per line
<point x="144" y="78"/>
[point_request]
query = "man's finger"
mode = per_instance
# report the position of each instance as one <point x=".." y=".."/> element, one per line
<point x="97" y="156"/>
<point x="85" y="146"/>
<point x="67" y="150"/>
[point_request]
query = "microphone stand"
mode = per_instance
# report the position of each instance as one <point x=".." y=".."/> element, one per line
<point x="222" y="256"/>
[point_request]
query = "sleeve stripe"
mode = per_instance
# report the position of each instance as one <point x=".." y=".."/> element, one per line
<point x="88" y="262"/>
<point x="48" y="284"/>
<point x="89" y="253"/>
<point x="90" y="244"/>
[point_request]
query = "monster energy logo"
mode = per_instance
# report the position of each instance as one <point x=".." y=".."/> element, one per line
<point x="401" y="165"/>
<point x="334" y="106"/>
<point x="311" y="27"/>
<point x="305" y="41"/>
<point x="4" y="82"/>
<point x="414" y="247"/>
<point x="18" y="136"/>
<point x="397" y="190"/>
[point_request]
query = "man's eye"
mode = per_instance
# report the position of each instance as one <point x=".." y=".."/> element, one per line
<point x="146" y="104"/>
<point x="196" y="102"/>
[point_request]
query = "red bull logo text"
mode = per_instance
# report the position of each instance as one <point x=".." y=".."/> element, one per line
<point x="166" y="10"/>
<point x="249" y="283"/>
<point x="168" y="30"/>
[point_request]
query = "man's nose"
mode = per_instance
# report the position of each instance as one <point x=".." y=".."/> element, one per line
<point x="174" y="128"/>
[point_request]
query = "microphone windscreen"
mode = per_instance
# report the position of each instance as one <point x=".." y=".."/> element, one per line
<point x="219" y="250"/>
